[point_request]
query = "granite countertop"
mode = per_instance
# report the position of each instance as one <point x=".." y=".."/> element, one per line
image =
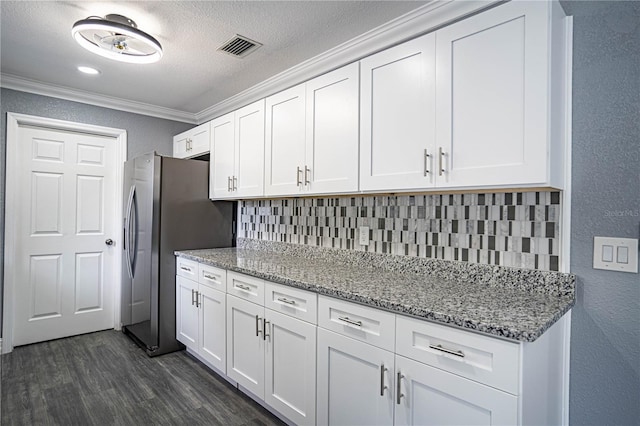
<point x="512" y="303"/>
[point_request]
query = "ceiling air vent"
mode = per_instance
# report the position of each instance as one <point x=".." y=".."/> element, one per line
<point x="239" y="46"/>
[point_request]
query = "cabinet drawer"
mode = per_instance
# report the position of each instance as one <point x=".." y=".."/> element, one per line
<point x="291" y="301"/>
<point x="246" y="287"/>
<point x="212" y="277"/>
<point x="486" y="360"/>
<point x="187" y="268"/>
<point x="369" y="325"/>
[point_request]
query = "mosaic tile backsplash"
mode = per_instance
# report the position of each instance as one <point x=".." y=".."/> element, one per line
<point x="518" y="229"/>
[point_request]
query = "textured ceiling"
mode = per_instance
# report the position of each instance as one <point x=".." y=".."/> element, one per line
<point x="36" y="44"/>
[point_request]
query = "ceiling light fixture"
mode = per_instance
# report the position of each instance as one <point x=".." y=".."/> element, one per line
<point x="88" y="70"/>
<point x="116" y="37"/>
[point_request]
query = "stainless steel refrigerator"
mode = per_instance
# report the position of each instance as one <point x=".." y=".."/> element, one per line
<point x="166" y="209"/>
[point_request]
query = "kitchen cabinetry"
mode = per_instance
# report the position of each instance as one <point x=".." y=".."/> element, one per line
<point x="192" y="143"/>
<point x="447" y="376"/>
<point x="355" y="382"/>
<point x="272" y="354"/>
<point x="355" y="364"/>
<point x="397" y="116"/>
<point x="200" y="311"/>
<point x="479" y="103"/>
<point x="311" y="357"/>
<point x="430" y="396"/>
<point x="494" y="97"/>
<point x="284" y="142"/>
<point x="186" y="313"/>
<point x="312" y="136"/>
<point x="410" y="372"/>
<point x="237" y="153"/>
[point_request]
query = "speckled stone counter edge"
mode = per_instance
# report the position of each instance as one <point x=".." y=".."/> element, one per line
<point x="553" y="283"/>
<point x="444" y="269"/>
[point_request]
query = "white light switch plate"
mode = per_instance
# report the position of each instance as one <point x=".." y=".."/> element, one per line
<point x="615" y="254"/>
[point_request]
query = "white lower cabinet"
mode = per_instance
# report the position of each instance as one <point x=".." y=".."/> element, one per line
<point x="429" y="396"/>
<point x="355" y="382"/>
<point x="319" y="360"/>
<point x="212" y="342"/>
<point x="271" y="354"/>
<point x="200" y="320"/>
<point x="186" y="312"/>
<point x="290" y="373"/>
<point x="245" y="344"/>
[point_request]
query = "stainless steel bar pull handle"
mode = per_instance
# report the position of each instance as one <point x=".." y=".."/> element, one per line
<point x="298" y="179"/>
<point x="447" y="351"/>
<point x="197" y="299"/>
<point x="307" y="171"/>
<point x="383" y="369"/>
<point x="350" y="321"/>
<point x="235" y="183"/>
<point x="287" y="301"/>
<point x="243" y="287"/>
<point x="441" y="154"/>
<point x="399" y="393"/>
<point x="426" y="162"/>
<point x="265" y="334"/>
<point x="258" y="331"/>
<point x="192" y="296"/>
<point x="209" y="277"/>
<point x="228" y="183"/>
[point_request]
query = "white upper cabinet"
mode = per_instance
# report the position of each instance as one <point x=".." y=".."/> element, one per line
<point x="222" y="157"/>
<point x="493" y="97"/>
<point x="477" y="104"/>
<point x="249" y="141"/>
<point x="397" y="116"/>
<point x="312" y="136"/>
<point x="237" y="152"/>
<point x="285" y="142"/>
<point x="332" y="132"/>
<point x="192" y="143"/>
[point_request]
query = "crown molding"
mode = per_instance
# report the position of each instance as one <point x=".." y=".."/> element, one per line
<point x="427" y="18"/>
<point x="14" y="82"/>
<point x="422" y="20"/>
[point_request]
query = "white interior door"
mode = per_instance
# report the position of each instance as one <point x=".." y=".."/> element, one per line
<point x="63" y="271"/>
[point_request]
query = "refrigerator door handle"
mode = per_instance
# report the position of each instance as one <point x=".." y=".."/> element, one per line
<point x="127" y="235"/>
<point x="133" y="231"/>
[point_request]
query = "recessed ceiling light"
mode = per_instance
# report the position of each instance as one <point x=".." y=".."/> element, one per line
<point x="116" y="37"/>
<point x="88" y="70"/>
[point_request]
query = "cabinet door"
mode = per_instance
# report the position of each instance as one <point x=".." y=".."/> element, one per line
<point x="186" y="312"/>
<point x="212" y="342"/>
<point x="180" y="146"/>
<point x="199" y="140"/>
<point x="332" y="132"/>
<point x="290" y="367"/>
<point x="249" y="160"/>
<point x="355" y="382"/>
<point x="222" y="157"/>
<point x="397" y="116"/>
<point x="285" y="142"/>
<point x="491" y="97"/>
<point x="430" y="396"/>
<point x="245" y="344"/>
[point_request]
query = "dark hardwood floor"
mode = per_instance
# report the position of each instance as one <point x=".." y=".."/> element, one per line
<point x="103" y="378"/>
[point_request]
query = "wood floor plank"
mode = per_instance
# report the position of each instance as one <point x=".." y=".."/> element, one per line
<point x="105" y="379"/>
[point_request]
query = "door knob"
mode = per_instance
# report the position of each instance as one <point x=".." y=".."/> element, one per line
<point x="109" y="242"/>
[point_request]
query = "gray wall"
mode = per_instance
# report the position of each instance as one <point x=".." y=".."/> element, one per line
<point x="144" y="133"/>
<point x="605" y="335"/>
